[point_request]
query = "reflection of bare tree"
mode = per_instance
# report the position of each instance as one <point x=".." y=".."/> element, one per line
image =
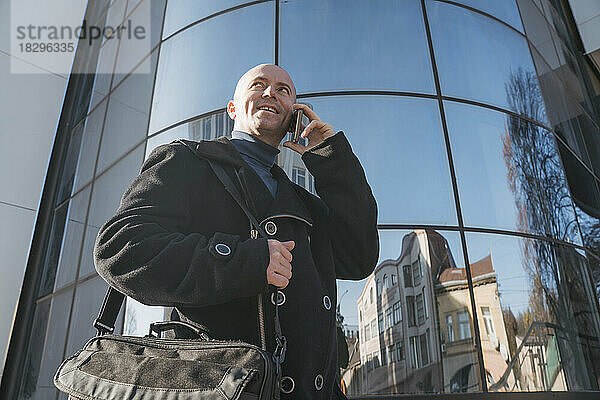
<point x="537" y="180"/>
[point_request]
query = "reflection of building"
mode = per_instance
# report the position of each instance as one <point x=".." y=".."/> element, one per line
<point x="416" y="331"/>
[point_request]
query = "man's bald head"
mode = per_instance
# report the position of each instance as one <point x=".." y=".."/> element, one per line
<point x="260" y="69"/>
<point x="263" y="102"/>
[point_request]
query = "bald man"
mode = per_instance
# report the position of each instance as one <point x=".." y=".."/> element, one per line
<point x="179" y="239"/>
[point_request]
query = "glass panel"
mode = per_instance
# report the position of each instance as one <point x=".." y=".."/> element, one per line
<point x="509" y="173"/>
<point x="352" y="41"/>
<point x="148" y="15"/>
<point x="412" y="353"/>
<point x="71" y="245"/>
<point x="544" y="317"/>
<point x="138" y="317"/>
<point x="184" y="12"/>
<point x="205" y="128"/>
<point x="400" y="144"/>
<point x="88" y="152"/>
<point x="88" y="300"/>
<point x="208" y="59"/>
<point x="538" y="32"/>
<point x="55" y="341"/>
<point x="480" y="59"/>
<point x="110" y="186"/>
<point x="506" y="10"/>
<point x="563" y="112"/>
<point x="105" y="67"/>
<point x="53" y="250"/>
<point x="69" y="164"/>
<point x="127" y="117"/>
<point x="31" y="369"/>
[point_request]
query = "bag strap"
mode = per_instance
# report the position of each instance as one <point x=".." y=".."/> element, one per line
<point x="105" y="322"/>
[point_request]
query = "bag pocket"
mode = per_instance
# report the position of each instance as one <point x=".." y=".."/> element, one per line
<point x="105" y="375"/>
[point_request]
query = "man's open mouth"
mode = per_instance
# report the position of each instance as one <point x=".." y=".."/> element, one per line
<point x="268" y="108"/>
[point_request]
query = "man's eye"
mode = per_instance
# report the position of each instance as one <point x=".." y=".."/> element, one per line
<point x="284" y="90"/>
<point x="257" y="84"/>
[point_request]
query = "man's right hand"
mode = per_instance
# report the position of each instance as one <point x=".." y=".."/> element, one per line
<point x="279" y="271"/>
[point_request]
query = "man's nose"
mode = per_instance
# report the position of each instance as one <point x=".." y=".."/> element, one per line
<point x="269" y="92"/>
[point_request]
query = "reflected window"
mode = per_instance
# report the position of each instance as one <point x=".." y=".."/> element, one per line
<point x="397" y="313"/>
<point x="464" y="328"/>
<point x="488" y="321"/>
<point x="420" y="309"/>
<point x="408" y="280"/>
<point x="183" y="71"/>
<point x="380" y="323"/>
<point x="410" y="306"/>
<point x="449" y="328"/>
<point x="399" y="351"/>
<point x="407" y="163"/>
<point x="389" y="321"/>
<point x="394" y="280"/>
<point x="352" y="41"/>
<point x="417" y="272"/>
<point x="386" y="282"/>
<point x="378" y="286"/>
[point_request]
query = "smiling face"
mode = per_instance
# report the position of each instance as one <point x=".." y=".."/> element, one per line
<point x="262" y="103"/>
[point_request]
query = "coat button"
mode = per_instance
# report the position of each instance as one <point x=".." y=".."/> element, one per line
<point x="287" y="385"/>
<point x="280" y="298"/>
<point x="222" y="249"/>
<point x="319" y="382"/>
<point x="327" y="302"/>
<point x="271" y="228"/>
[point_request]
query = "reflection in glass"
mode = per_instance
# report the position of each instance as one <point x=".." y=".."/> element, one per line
<point x="400" y="144"/>
<point x="54" y="245"/>
<point x="55" y="340"/>
<point x="566" y="116"/>
<point x="31" y="366"/>
<point x="138" y="317"/>
<point x="509" y="173"/>
<point x="88" y="151"/>
<point x="126" y="117"/>
<point x="71" y="245"/>
<point x="184" y="12"/>
<point x="88" y="299"/>
<point x="147" y="14"/>
<point x="359" y="45"/>
<point x="206" y="128"/>
<point x="545" y="330"/>
<point x="478" y="58"/>
<point x="414" y="335"/>
<point x="199" y="68"/>
<point x="506" y="10"/>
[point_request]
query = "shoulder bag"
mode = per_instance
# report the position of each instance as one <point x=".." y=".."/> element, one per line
<point x="111" y="367"/>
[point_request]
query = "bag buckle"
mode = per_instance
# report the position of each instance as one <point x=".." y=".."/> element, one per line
<point x="103" y="329"/>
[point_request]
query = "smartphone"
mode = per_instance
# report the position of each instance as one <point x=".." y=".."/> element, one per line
<point x="296" y="125"/>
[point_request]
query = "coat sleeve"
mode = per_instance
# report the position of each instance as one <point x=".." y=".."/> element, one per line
<point x="146" y="251"/>
<point x="350" y="211"/>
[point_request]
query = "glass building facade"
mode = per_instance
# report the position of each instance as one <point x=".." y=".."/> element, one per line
<point x="477" y="124"/>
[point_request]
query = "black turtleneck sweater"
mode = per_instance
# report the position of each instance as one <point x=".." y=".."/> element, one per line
<point x="259" y="155"/>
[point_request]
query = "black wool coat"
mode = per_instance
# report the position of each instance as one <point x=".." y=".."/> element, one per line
<point x="161" y="248"/>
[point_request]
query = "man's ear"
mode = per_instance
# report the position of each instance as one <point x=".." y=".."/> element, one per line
<point x="231" y="109"/>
